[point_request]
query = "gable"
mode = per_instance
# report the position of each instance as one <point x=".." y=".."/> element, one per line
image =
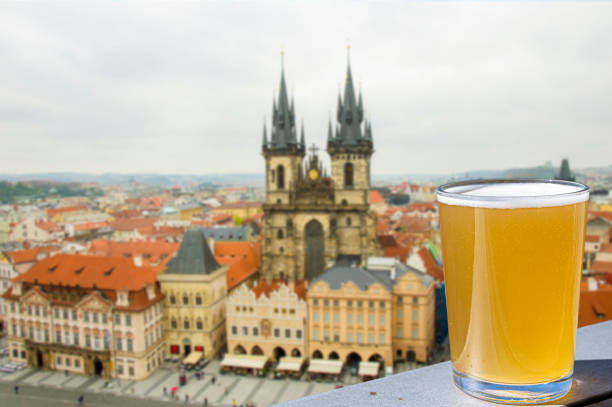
<point x="34" y="297"/>
<point x="93" y="302"/>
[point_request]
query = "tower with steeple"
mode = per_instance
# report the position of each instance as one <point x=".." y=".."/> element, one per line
<point x="351" y="147"/>
<point x="282" y="151"/>
<point x="313" y="220"/>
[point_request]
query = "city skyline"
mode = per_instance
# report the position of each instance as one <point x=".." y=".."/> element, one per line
<point x="449" y="88"/>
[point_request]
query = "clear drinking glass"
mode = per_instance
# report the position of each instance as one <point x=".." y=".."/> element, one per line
<point x="512" y="253"/>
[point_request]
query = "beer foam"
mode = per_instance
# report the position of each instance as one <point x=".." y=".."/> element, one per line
<point x="506" y="195"/>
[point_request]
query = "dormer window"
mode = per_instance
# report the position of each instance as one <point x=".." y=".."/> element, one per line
<point x="150" y="292"/>
<point x="123" y="299"/>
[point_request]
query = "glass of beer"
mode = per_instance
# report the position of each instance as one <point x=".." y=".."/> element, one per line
<point x="512" y="253"/>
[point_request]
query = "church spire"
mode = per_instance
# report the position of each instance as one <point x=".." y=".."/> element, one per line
<point x="283" y="131"/>
<point x="302" y="135"/>
<point x="350" y="116"/>
<point x="264" y="142"/>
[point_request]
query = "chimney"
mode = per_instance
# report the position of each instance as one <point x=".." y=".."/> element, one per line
<point x="393" y="273"/>
<point x="593" y="285"/>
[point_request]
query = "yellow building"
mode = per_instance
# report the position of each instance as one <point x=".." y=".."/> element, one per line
<point x="268" y="319"/>
<point x="195" y="289"/>
<point x="383" y="313"/>
<point x="242" y="210"/>
<point x="350" y="313"/>
<point x="189" y="211"/>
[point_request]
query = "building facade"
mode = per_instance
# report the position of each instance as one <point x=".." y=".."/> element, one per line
<point x="350" y="315"/>
<point x="87" y="314"/>
<point x="36" y="230"/>
<point x="195" y="287"/>
<point x="269" y="319"/>
<point x="311" y="219"/>
<point x="383" y="313"/>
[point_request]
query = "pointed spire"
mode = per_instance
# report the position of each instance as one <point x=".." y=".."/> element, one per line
<point x="302" y="135"/>
<point x="360" y="105"/>
<point x="264" y="142"/>
<point x="330" y="136"/>
<point x="339" y="108"/>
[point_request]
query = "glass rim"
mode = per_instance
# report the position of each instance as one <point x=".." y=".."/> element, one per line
<point x="442" y="190"/>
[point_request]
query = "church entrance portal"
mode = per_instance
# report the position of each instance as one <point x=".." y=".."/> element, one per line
<point x="314" y="250"/>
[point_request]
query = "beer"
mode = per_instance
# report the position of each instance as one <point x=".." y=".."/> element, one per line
<point x="512" y="256"/>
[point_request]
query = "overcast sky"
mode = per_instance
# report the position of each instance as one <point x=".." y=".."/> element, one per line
<point x="184" y="88"/>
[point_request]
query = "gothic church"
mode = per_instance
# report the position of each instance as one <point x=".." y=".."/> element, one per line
<point x="313" y="220"/>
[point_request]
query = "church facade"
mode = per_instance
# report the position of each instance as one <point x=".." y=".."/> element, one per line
<point x="313" y="219"/>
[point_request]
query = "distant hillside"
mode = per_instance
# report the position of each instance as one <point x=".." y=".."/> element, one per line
<point x="11" y="192"/>
<point x="147" y="179"/>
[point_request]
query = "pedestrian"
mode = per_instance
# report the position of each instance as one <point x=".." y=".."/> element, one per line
<point x="233" y="402"/>
<point x="214" y="379"/>
<point x="165" y="391"/>
<point x="81" y="398"/>
<point x="186" y="398"/>
<point x="226" y="390"/>
<point x="16" y="388"/>
<point x="65" y="373"/>
<point x="205" y="402"/>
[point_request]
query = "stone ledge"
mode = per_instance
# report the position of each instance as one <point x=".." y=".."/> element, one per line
<point x="432" y="386"/>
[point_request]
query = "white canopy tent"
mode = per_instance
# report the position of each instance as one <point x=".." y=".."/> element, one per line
<point x="244" y="361"/>
<point x="193" y="358"/>
<point x="369" y="369"/>
<point x="325" y="366"/>
<point x="290" y="363"/>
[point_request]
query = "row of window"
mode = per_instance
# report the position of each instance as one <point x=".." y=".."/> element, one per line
<point x="349" y="303"/>
<point x="350" y="318"/>
<point x="277" y="310"/>
<point x="120" y="370"/>
<point x="277" y="332"/>
<point x="186" y="324"/>
<point x="68" y="362"/>
<point x="349" y="337"/>
<point x="72" y="314"/>
<point x="172" y="298"/>
<point x="400" y="332"/>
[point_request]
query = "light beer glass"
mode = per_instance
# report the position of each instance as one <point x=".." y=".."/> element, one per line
<point x="512" y="253"/>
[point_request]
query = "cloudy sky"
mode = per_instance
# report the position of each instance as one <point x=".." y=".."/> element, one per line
<point x="184" y="87"/>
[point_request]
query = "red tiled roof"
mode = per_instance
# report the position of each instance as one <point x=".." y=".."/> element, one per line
<point x="127" y="213"/>
<point x="239" y="271"/>
<point x="237" y="249"/>
<point x="29" y="255"/>
<point x="239" y="205"/>
<point x="126" y="224"/>
<point x="599" y="266"/>
<point x="603" y="214"/>
<point x="154" y="254"/>
<point x="47" y="226"/>
<point x="57" y="211"/>
<point x="431" y="266"/>
<point x="106" y="273"/>
<point x="605" y="248"/>
<point x="376" y="197"/>
<point x="592" y="238"/>
<point x="300" y="287"/>
<point x="414" y="224"/>
<point x="422" y="206"/>
<point x="90" y="226"/>
<point x="595" y="306"/>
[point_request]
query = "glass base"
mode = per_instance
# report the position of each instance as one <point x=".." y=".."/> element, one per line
<point x="513" y="393"/>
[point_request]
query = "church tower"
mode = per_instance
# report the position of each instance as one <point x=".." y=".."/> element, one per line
<point x="312" y="220"/>
<point x="351" y="148"/>
<point x="283" y="153"/>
